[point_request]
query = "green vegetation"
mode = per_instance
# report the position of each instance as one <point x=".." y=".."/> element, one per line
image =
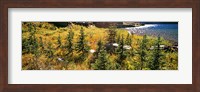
<point x="76" y="47"/>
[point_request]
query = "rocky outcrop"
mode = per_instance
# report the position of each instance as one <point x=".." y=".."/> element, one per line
<point x="65" y="24"/>
<point x="99" y="24"/>
<point x="107" y="24"/>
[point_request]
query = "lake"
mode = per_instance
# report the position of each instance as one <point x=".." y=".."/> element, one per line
<point x="167" y="31"/>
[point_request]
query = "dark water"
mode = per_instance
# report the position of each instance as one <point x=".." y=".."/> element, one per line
<point x="167" y="31"/>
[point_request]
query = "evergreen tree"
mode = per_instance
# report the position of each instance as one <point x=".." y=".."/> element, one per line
<point x="96" y="53"/>
<point x="25" y="44"/>
<point x="69" y="43"/>
<point x="111" y="38"/>
<point x="35" y="47"/>
<point x="81" y="44"/>
<point x="31" y="43"/>
<point x="101" y="61"/>
<point x="100" y="46"/>
<point x="156" y="55"/>
<point x="49" y="51"/>
<point x="112" y="34"/>
<point x="121" y="54"/>
<point x="82" y="47"/>
<point x="142" y="52"/>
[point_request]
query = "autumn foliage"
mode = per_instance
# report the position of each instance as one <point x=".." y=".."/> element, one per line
<point x="76" y="47"/>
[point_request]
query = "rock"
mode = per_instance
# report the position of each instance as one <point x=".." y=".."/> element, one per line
<point x="115" y="44"/>
<point x="92" y="51"/>
<point x="60" y="59"/>
<point x="127" y="47"/>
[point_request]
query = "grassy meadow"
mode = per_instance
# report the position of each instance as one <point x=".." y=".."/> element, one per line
<point x="77" y="47"/>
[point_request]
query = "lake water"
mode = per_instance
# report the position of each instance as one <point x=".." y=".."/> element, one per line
<point x="167" y="31"/>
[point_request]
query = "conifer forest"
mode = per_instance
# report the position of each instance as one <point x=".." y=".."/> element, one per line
<point x="99" y="46"/>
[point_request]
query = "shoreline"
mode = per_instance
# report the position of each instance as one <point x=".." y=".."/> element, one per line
<point x="174" y="42"/>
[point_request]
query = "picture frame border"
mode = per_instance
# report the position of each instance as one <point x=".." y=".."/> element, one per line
<point x="5" y="4"/>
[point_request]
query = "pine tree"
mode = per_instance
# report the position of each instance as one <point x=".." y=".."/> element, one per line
<point x="32" y="44"/>
<point x="96" y="53"/>
<point x="156" y="55"/>
<point x="100" y="46"/>
<point x="81" y="44"/>
<point x="35" y="47"/>
<point x="111" y="38"/>
<point x="121" y="52"/>
<point x="142" y="52"/>
<point x="101" y="61"/>
<point x="49" y="51"/>
<point x="25" y="44"/>
<point x="69" y="43"/>
<point x="112" y="34"/>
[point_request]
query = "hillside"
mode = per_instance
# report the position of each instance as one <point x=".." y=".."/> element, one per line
<point x="77" y="47"/>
